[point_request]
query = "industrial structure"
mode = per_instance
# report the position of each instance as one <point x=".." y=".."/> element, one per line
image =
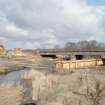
<point x="2" y="50"/>
<point x="75" y="59"/>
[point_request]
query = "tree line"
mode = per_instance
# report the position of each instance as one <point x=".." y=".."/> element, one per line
<point x="84" y="45"/>
<point x="92" y="45"/>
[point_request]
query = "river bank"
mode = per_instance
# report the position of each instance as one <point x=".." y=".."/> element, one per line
<point x="50" y="88"/>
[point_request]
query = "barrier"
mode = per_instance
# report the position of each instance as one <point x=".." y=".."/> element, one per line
<point x="75" y="64"/>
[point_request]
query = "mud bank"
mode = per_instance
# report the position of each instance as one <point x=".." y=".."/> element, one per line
<point x="49" y="89"/>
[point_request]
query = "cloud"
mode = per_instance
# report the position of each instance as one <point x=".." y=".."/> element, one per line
<point x="46" y="23"/>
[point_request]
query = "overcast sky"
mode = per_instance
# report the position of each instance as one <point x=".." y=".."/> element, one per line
<point x="47" y="23"/>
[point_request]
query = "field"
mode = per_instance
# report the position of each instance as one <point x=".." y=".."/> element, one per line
<point x="37" y="80"/>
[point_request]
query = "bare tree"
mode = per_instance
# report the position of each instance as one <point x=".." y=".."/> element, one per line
<point x="95" y="97"/>
<point x="70" y="46"/>
<point x="84" y="45"/>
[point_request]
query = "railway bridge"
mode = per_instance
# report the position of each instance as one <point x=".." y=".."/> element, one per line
<point x="77" y="54"/>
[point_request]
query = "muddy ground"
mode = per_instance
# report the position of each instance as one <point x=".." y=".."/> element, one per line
<point x="80" y="87"/>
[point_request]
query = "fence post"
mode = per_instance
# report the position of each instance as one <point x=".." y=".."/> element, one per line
<point x="96" y="61"/>
<point x="69" y="65"/>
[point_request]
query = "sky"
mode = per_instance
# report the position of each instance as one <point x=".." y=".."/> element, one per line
<point x="96" y="2"/>
<point x="47" y="23"/>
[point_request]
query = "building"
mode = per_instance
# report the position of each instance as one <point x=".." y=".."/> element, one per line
<point x="18" y="52"/>
<point x="15" y="52"/>
<point x="2" y="50"/>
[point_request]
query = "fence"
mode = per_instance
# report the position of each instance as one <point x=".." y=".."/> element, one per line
<point x="75" y="64"/>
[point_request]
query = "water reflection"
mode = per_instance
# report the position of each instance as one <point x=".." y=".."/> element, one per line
<point x="16" y="79"/>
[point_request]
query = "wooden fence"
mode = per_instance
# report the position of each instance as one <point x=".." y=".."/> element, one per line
<point x="76" y="64"/>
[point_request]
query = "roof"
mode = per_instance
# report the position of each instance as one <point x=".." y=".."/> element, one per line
<point x="1" y="46"/>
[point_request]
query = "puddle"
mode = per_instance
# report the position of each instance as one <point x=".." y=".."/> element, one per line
<point x="15" y="79"/>
<point x="31" y="82"/>
<point x="12" y="77"/>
